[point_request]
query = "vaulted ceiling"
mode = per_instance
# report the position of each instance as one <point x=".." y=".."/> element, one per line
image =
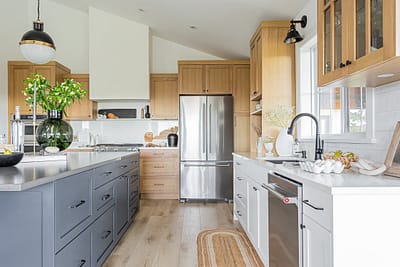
<point x="221" y="27"/>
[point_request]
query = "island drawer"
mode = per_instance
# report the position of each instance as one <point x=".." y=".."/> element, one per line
<point x="102" y="236"/>
<point x="73" y="202"/>
<point x="318" y="205"/>
<point x="76" y="253"/>
<point x="159" y="185"/>
<point x="103" y="197"/>
<point x="106" y="173"/>
<point x="240" y="213"/>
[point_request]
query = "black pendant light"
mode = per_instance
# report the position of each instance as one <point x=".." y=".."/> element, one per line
<point x="36" y="45"/>
<point x="293" y="35"/>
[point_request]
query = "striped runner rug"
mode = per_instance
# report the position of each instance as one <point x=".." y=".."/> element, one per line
<point x="226" y="248"/>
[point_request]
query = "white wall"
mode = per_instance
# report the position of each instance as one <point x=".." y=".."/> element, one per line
<point x="165" y="54"/>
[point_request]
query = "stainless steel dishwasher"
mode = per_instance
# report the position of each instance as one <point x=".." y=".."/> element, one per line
<point x="285" y="219"/>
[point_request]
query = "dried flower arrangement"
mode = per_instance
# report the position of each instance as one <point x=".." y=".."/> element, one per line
<point x="281" y="116"/>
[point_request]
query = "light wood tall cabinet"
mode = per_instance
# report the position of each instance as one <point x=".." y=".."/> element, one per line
<point x="354" y="38"/>
<point x="272" y="75"/>
<point x="159" y="173"/>
<point x="18" y="71"/>
<point x="82" y="109"/>
<point x="164" y="97"/>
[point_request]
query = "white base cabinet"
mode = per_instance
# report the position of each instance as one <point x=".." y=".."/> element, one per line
<point x="317" y="244"/>
<point x="251" y="203"/>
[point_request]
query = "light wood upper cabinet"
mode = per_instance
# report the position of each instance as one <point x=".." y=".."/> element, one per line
<point x="241" y="88"/>
<point x="354" y="37"/>
<point x="272" y="72"/>
<point x="218" y="79"/>
<point x="191" y="80"/>
<point x="241" y="132"/>
<point x="164" y="96"/>
<point x="83" y="109"/>
<point x="18" y="71"/>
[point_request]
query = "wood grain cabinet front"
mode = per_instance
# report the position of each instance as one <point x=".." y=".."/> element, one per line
<point x="164" y="96"/>
<point x="159" y="173"/>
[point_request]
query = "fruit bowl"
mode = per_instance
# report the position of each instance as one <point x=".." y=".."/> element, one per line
<point x="7" y="160"/>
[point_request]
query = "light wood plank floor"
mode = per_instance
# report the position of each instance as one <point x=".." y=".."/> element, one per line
<point x="164" y="233"/>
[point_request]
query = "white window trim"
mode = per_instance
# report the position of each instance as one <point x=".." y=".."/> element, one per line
<point x="354" y="138"/>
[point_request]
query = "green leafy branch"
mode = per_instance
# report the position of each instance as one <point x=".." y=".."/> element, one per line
<point x="59" y="97"/>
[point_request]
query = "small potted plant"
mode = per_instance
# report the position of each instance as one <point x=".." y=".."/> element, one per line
<point x="53" y="134"/>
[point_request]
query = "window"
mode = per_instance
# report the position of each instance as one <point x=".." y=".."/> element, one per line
<point x="345" y="114"/>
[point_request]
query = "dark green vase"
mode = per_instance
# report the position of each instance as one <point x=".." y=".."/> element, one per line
<point x="54" y="134"/>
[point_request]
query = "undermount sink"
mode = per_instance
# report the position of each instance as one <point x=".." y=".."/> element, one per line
<point x="281" y="161"/>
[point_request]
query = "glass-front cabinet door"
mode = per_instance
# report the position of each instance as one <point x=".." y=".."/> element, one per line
<point x="374" y="32"/>
<point x="332" y="39"/>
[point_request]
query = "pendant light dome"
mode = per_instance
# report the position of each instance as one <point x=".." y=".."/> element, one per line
<point x="36" y="45"/>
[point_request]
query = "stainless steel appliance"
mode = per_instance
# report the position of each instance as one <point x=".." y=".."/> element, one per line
<point x="285" y="220"/>
<point x="29" y="130"/>
<point x="206" y="142"/>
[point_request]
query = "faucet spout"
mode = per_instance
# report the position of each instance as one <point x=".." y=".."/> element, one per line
<point x="319" y="145"/>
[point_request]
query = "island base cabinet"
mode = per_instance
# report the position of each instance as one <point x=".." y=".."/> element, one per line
<point x="121" y="204"/>
<point x="317" y="244"/>
<point x="102" y="237"/>
<point x="76" y="253"/>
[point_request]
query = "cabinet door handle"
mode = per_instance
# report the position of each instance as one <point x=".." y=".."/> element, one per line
<point x="106" y="234"/>
<point x="159" y="167"/>
<point x="255" y="188"/>
<point x="159" y="154"/>
<point x="82" y="263"/>
<point x="123" y="166"/>
<point x="105" y="197"/>
<point x="342" y="65"/>
<point x="78" y="204"/>
<point x="107" y="173"/>
<point x="238" y="213"/>
<point x="239" y="195"/>
<point x="159" y="184"/>
<point x="124" y="176"/>
<point x="348" y="62"/>
<point x="239" y="179"/>
<point x="238" y="163"/>
<point x="307" y="202"/>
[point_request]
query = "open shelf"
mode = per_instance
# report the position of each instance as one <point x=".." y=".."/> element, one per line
<point x="256" y="112"/>
<point x="256" y="97"/>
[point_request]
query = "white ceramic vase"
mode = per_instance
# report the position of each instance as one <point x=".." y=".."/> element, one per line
<point x="284" y="143"/>
<point x="268" y="149"/>
<point x="259" y="146"/>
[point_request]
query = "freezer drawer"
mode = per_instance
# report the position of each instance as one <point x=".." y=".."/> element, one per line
<point x="204" y="180"/>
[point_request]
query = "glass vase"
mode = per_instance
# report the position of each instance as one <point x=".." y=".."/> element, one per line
<point x="54" y="134"/>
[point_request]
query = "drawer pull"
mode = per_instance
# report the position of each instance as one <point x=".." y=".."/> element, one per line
<point x="124" y="176"/>
<point x="105" y="197"/>
<point x="106" y="234"/>
<point x="238" y="213"/>
<point x="107" y="173"/>
<point x="239" y="195"/>
<point x="83" y="262"/>
<point x="159" y="184"/>
<point x="239" y="179"/>
<point x="123" y="166"/>
<point x="255" y="188"/>
<point x="238" y="163"/>
<point x="307" y="202"/>
<point x="159" y="154"/>
<point x="77" y="205"/>
<point x="159" y="167"/>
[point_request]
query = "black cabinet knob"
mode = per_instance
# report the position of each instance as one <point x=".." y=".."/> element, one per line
<point x="342" y="65"/>
<point x="348" y="62"/>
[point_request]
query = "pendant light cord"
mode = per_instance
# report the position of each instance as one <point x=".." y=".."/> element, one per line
<point x="38" y="10"/>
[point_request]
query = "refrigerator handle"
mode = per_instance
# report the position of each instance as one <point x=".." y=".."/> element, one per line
<point x="209" y="129"/>
<point x="204" y="126"/>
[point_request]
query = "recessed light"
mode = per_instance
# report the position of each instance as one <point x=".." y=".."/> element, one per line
<point x="193" y="27"/>
<point x="385" y="75"/>
<point x="141" y="9"/>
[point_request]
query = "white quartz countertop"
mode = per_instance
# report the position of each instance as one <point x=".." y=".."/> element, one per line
<point x="157" y="147"/>
<point x="26" y="175"/>
<point x="348" y="182"/>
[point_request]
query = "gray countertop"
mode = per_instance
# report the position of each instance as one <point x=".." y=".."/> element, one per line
<point x="26" y="175"/>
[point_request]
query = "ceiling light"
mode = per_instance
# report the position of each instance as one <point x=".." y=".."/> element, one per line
<point x="36" y="45"/>
<point x="141" y="9"/>
<point x="385" y="75"/>
<point x="193" y="27"/>
<point x="293" y="35"/>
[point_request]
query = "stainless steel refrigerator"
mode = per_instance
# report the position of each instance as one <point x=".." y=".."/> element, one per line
<point x="206" y="142"/>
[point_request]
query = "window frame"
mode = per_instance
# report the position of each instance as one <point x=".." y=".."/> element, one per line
<point x="306" y="78"/>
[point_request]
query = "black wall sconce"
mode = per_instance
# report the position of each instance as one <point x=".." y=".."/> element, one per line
<point x="293" y="35"/>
